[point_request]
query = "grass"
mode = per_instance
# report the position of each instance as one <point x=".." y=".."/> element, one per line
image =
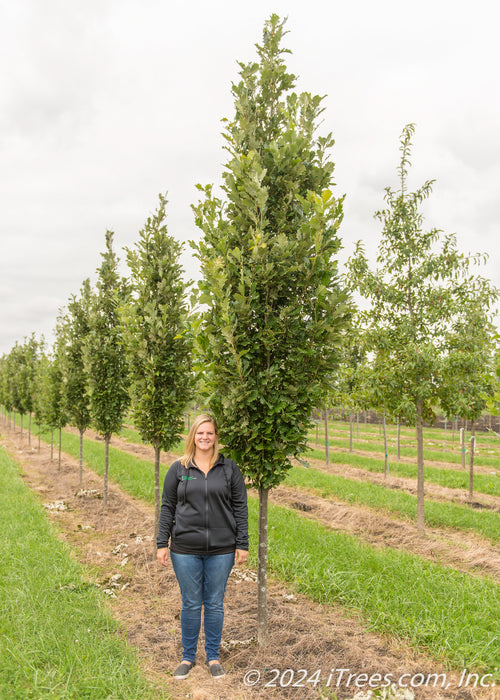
<point x="373" y="431"/>
<point x="450" y="478"/>
<point x="448" y="614"/>
<point x="483" y="483"/>
<point x="445" y="613"/>
<point x="480" y="459"/>
<point x="400" y="503"/>
<point x="132" y="435"/>
<point x="57" y="639"/>
<point x="136" y="477"/>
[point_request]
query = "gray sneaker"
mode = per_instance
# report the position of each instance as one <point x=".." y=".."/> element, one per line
<point x="216" y="670"/>
<point x="182" y="671"/>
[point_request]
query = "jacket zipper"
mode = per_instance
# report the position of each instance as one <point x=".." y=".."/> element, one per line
<point x="206" y="509"/>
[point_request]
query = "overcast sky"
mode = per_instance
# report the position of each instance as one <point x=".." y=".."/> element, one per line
<point x="106" y="103"/>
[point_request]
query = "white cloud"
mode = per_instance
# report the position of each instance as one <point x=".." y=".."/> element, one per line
<point x="106" y="103"/>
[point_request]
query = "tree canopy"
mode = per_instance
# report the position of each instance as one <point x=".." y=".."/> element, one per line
<point x="276" y="309"/>
<point x="419" y="295"/>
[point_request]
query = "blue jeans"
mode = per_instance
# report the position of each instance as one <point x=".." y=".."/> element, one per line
<point x="202" y="580"/>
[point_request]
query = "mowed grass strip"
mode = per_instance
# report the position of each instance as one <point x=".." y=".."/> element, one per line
<point x="448" y="614"/>
<point x="437" y="514"/>
<point x="488" y="484"/>
<point x="132" y="435"/>
<point x="57" y="639"/>
<point x="480" y="460"/>
<point x="374" y="443"/>
<point x="135" y="476"/>
<point x="440" y="611"/>
<point x="433" y="436"/>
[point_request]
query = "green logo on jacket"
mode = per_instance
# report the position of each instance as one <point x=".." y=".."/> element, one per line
<point x="184" y="478"/>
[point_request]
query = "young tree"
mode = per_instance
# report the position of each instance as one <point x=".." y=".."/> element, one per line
<point x="348" y="388"/>
<point x="276" y="310"/>
<point x="105" y="360"/>
<point x="419" y="288"/>
<point x="7" y="384"/>
<point x="493" y="404"/>
<point x="468" y="378"/>
<point x="468" y="367"/>
<point x="158" y="344"/>
<point x="56" y="409"/>
<point x="15" y="368"/>
<point x="4" y="386"/>
<point x="42" y="393"/>
<point x="77" y="329"/>
<point x="25" y="379"/>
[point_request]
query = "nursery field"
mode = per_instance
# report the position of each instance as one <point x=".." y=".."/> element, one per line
<point x="358" y="599"/>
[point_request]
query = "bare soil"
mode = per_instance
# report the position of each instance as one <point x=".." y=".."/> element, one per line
<point x="437" y="492"/>
<point x="464" y="551"/>
<point x="441" y="464"/>
<point x="116" y="548"/>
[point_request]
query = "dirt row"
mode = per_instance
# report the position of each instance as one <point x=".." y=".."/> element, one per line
<point x="462" y="550"/>
<point x="117" y="550"/>
<point x="478" y="468"/>
<point x="435" y="491"/>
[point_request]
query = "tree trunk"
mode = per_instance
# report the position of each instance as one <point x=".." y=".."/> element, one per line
<point x="22" y="421"/>
<point x="107" y="438"/>
<point x="471" y="463"/>
<point x="157" y="491"/>
<point x="52" y="444"/>
<point x="398" y="438"/>
<point x="262" y="621"/>
<point x="80" y="460"/>
<point x="29" y="431"/>
<point x="420" y="469"/>
<point x="463" y="445"/>
<point x="386" y="454"/>
<point x="59" y="457"/>
<point x="327" y="444"/>
<point x="350" y="432"/>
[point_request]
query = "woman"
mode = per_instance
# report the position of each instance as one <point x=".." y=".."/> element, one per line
<point x="204" y="515"/>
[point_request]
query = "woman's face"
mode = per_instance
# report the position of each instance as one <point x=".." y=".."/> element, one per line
<point x="204" y="438"/>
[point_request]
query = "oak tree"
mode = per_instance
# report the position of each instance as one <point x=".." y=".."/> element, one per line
<point x="275" y="306"/>
<point x="159" y="346"/>
<point x="105" y="357"/>
<point x="77" y="329"/>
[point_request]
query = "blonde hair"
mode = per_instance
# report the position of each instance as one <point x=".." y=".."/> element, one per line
<point x="187" y="458"/>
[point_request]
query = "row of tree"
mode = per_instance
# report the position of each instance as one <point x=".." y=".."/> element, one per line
<point x="272" y="331"/>
<point x="120" y="348"/>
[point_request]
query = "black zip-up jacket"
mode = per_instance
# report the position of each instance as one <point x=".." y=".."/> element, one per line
<point x="204" y="514"/>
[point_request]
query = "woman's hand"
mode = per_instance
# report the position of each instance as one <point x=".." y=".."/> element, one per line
<point x="240" y="556"/>
<point x="162" y="555"/>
